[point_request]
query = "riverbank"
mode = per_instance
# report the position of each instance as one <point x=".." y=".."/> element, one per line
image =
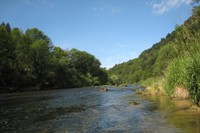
<point x="28" y="89"/>
<point x="24" y="89"/>
<point x="178" y="112"/>
<point x="155" y="87"/>
<point x="36" y="88"/>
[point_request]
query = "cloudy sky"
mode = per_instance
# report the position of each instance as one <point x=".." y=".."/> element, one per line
<point x="113" y="30"/>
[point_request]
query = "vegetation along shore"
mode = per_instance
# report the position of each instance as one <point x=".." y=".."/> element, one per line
<point x="170" y="67"/>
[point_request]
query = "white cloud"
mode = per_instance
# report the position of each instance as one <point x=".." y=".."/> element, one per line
<point x="48" y="3"/>
<point x="29" y="3"/>
<point x="166" y="5"/>
<point x="102" y="50"/>
<point x="115" y="10"/>
<point x="120" y="45"/>
<point x="37" y="3"/>
<point x="105" y="7"/>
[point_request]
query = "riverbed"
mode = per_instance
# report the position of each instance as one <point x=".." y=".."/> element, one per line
<point x="87" y="110"/>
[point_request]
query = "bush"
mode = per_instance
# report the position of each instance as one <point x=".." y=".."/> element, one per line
<point x="193" y="77"/>
<point x="175" y="75"/>
<point x="184" y="72"/>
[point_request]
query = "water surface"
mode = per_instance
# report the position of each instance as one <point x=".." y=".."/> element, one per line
<point x="83" y="110"/>
<point x="178" y="112"/>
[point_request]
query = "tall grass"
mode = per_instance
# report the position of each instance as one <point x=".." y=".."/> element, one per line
<point x="175" y="75"/>
<point x="193" y="78"/>
<point x="154" y="85"/>
<point x="184" y="72"/>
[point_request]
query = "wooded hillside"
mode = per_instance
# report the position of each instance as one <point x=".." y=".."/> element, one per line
<point x="182" y="42"/>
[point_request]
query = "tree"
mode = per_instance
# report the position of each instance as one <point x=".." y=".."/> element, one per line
<point x="3" y="24"/>
<point x="8" y="27"/>
<point x="39" y="57"/>
<point x="83" y="61"/>
<point x="7" y="56"/>
<point x="29" y="59"/>
<point x="103" y="76"/>
<point x="22" y="67"/>
<point x="61" y="75"/>
<point x="36" y="34"/>
<point x="87" y="67"/>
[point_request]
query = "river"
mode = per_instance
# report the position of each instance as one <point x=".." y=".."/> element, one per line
<point x="87" y="110"/>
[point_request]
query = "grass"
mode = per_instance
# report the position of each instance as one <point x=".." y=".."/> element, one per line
<point x="153" y="85"/>
<point x="184" y="72"/>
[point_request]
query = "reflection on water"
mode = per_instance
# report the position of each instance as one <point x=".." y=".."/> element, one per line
<point x="83" y="110"/>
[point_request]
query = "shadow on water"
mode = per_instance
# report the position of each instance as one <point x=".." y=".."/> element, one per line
<point x="26" y="112"/>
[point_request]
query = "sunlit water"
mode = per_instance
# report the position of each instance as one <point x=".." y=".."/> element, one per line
<point x="84" y="110"/>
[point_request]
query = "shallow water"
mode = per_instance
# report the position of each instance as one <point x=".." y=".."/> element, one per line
<point x="178" y="113"/>
<point x="84" y="110"/>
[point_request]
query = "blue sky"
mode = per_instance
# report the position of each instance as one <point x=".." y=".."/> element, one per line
<point x="113" y="31"/>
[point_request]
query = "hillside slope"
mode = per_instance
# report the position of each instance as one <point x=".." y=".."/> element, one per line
<point x="153" y="62"/>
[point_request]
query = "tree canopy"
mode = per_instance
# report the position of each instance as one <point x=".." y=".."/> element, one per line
<point x="29" y="59"/>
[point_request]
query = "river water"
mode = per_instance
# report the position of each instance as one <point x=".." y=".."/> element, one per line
<point x="87" y="110"/>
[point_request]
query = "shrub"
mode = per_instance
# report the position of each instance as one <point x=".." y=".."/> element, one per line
<point x="175" y="75"/>
<point x="193" y="78"/>
<point x="184" y="72"/>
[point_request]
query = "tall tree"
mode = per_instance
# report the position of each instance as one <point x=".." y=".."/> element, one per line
<point x="39" y="57"/>
<point x="8" y="28"/>
<point x="36" y="34"/>
<point x="7" y="56"/>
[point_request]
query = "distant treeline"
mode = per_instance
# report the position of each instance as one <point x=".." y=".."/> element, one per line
<point x="30" y="60"/>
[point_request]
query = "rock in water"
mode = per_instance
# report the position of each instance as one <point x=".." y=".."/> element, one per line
<point x="103" y="89"/>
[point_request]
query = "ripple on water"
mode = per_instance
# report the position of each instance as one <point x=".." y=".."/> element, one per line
<point x="81" y="110"/>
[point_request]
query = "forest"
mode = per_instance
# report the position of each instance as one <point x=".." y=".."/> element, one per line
<point x="30" y="61"/>
<point x="174" y="61"/>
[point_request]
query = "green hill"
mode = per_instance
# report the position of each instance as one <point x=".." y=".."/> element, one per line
<point x="176" y="59"/>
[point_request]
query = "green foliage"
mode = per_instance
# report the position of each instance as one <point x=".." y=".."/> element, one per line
<point x="36" y="34"/>
<point x="7" y="56"/>
<point x="39" y="58"/>
<point x="183" y="41"/>
<point x="176" y="75"/>
<point x="115" y="79"/>
<point x="176" y="57"/>
<point x="193" y="78"/>
<point x="165" y="55"/>
<point x="83" y="61"/>
<point x="29" y="59"/>
<point x="184" y="72"/>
